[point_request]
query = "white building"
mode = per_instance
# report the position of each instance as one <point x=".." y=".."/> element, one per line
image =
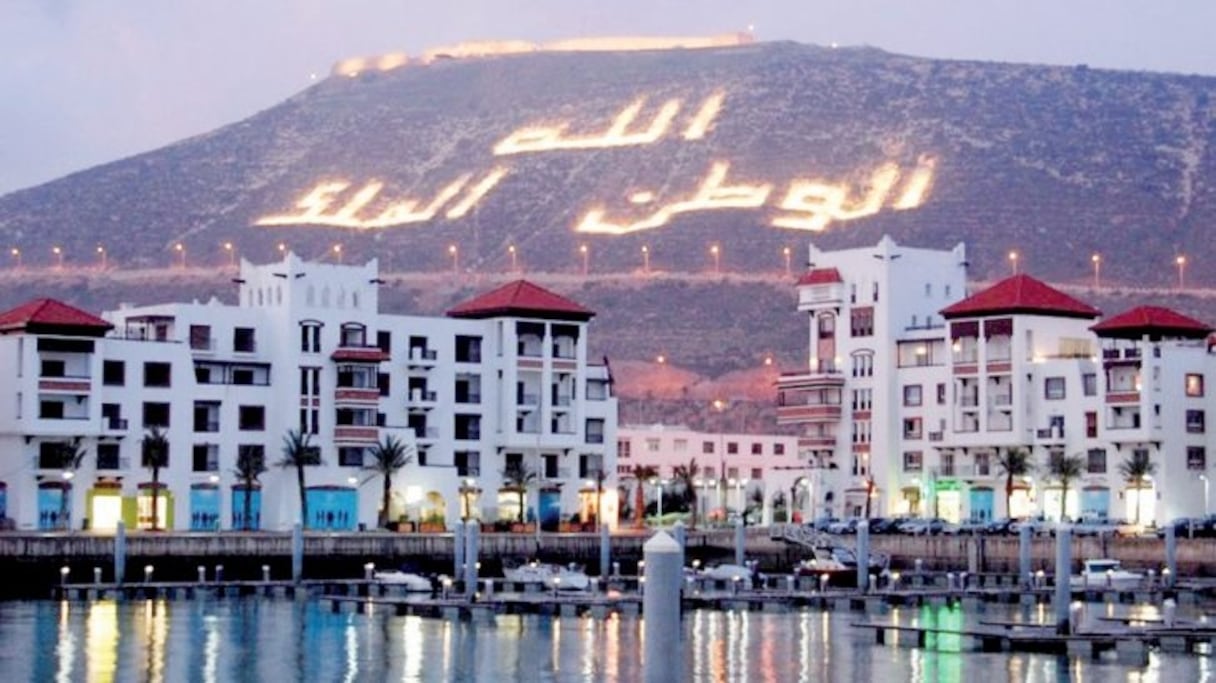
<point x="931" y="405"/>
<point x="730" y="467"/>
<point x="504" y="378"/>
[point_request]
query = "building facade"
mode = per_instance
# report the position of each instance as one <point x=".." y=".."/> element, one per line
<point x="919" y="414"/>
<point x="495" y="396"/>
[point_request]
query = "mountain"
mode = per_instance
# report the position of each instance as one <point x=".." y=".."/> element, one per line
<point x="754" y="149"/>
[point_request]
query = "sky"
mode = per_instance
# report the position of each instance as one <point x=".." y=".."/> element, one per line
<point x="86" y="82"/>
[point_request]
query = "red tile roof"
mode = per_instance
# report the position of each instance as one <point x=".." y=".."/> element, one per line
<point x="524" y="300"/>
<point x="820" y="276"/>
<point x="50" y="315"/>
<point x="1151" y="321"/>
<point x="1020" y="294"/>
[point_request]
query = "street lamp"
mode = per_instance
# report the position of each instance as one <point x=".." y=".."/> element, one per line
<point x="785" y="251"/>
<point x="645" y="259"/>
<point x="716" y="252"/>
<point x="1204" y="479"/>
<point x="511" y="252"/>
<point x="58" y="252"/>
<point x="582" y="249"/>
<point x="658" y="483"/>
<point x="1096" y="259"/>
<point x="181" y="254"/>
<point x="101" y="256"/>
<point x="1180" y="261"/>
<point x="454" y="252"/>
<point x="231" y="254"/>
<point x="282" y="248"/>
<point x="337" y="249"/>
<point x="660" y="359"/>
<point x="16" y="254"/>
<point x="1013" y="261"/>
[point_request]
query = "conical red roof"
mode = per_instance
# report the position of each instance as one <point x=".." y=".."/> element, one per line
<point x="52" y="316"/>
<point x="521" y="299"/>
<point x="1020" y="294"/>
<point x="1153" y="321"/>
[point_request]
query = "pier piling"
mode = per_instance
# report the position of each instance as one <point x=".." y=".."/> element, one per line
<point x="297" y="552"/>
<point x="863" y="556"/>
<point x="472" y="541"/>
<point x="120" y="553"/>
<point x="1063" y="574"/>
<point x="662" y="654"/>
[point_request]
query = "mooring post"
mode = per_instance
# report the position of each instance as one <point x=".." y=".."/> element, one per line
<point x="297" y="553"/>
<point x="740" y="541"/>
<point x="863" y="556"/>
<point x="1171" y="556"/>
<point x="458" y="549"/>
<point x="1063" y="577"/>
<point x="605" y="552"/>
<point x="662" y="649"/>
<point x="681" y="536"/>
<point x="472" y="543"/>
<point x="120" y="553"/>
<point x="1024" y="541"/>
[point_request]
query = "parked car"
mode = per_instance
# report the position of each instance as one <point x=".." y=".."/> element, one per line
<point x="967" y="528"/>
<point x="927" y="527"/>
<point x="1000" y="526"/>
<point x="885" y="525"/>
<point x="1185" y="527"/>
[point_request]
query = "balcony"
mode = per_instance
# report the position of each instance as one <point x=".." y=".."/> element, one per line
<point x="426" y="433"/>
<point x="359" y="395"/>
<point x="1002" y="400"/>
<point x="1123" y="397"/>
<point x="828" y="377"/>
<point x="114" y="424"/>
<point x="468" y="397"/>
<point x="421" y="357"/>
<point x="369" y="434"/>
<point x="65" y="384"/>
<point x="818" y="441"/>
<point x="1049" y="434"/>
<point x="203" y="345"/>
<point x="936" y="436"/>
<point x="811" y="413"/>
<point x="969" y="401"/>
<point x="349" y="353"/>
<point x="563" y="401"/>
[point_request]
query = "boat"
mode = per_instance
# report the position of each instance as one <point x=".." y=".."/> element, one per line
<point x="728" y="573"/>
<point x="413" y="583"/>
<point x="1106" y="573"/>
<point x="557" y="577"/>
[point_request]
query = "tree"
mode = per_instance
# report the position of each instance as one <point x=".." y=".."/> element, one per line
<point x="155" y="451"/>
<point x="641" y="474"/>
<point x="68" y="457"/>
<point x="869" y="493"/>
<point x="298" y="453"/>
<point x="687" y="476"/>
<point x="781" y="506"/>
<point x="1065" y="469"/>
<point x="755" y="501"/>
<point x="250" y="464"/>
<point x="1136" y="470"/>
<point x="388" y="456"/>
<point x="517" y="477"/>
<point x="1014" y="463"/>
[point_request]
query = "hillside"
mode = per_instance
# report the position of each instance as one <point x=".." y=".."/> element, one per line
<point x="754" y="149"/>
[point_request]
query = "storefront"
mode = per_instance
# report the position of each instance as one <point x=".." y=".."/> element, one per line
<point x="332" y="508"/>
<point x="204" y="507"/>
<point x="981" y="501"/>
<point x="239" y="520"/>
<point x="104" y="503"/>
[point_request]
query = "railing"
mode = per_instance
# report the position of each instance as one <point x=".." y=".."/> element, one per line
<point x="563" y="401"/>
<point x="468" y="398"/>
<point x="1002" y="400"/>
<point x="114" y="423"/>
<point x="113" y="463"/>
<point x="529" y="399"/>
<point x="246" y="347"/>
<point x="468" y="435"/>
<point x="595" y="438"/>
<point x="207" y="344"/>
<point x="969" y="401"/>
<point x="936" y="436"/>
<point x="426" y="432"/>
<point x="422" y="354"/>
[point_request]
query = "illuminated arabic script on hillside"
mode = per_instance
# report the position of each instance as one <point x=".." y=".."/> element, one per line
<point x="807" y="202"/>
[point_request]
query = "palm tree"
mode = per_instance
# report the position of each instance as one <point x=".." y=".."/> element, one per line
<point x="687" y="476"/>
<point x="869" y="493"/>
<point x="298" y="452"/>
<point x="1136" y="470"/>
<point x="779" y="503"/>
<point x="641" y="474"/>
<point x="155" y="448"/>
<point x="755" y="501"/>
<point x="250" y="464"/>
<point x="1065" y="469"/>
<point x="388" y="456"/>
<point x="516" y="476"/>
<point x="68" y="457"/>
<point x="1014" y="463"/>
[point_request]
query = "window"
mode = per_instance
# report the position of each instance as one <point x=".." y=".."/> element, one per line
<point x="778" y="449"/>
<point x="156" y="415"/>
<point x="732" y="473"/>
<point x="1194" y="421"/>
<point x="912" y="428"/>
<point x="595" y="431"/>
<point x="827" y="325"/>
<point x="863" y="399"/>
<point x="861" y="322"/>
<point x="757" y="448"/>
<point x="157" y="375"/>
<point x="50" y="410"/>
<point x="468" y="463"/>
<point x="251" y="418"/>
<point x="242" y="376"/>
<point x="1091" y="424"/>
<point x="1196" y="458"/>
<point x="941" y="393"/>
<point x="928" y="290"/>
<point x="200" y="338"/>
<point x="310" y="420"/>
<point x="1194" y="385"/>
<point x="912" y="395"/>
<point x="1053" y="388"/>
<point x="1089" y="384"/>
<point x="708" y="473"/>
<point x="113" y="373"/>
<point x="913" y="461"/>
<point x="468" y="349"/>
<point x="310" y="381"/>
<point x="590" y="466"/>
<point x="680" y="446"/>
<point x="1095" y="461"/>
<point x="53" y="368"/>
<point x="350" y="456"/>
<point x="468" y="427"/>
<point x="624" y="449"/>
<point x="707" y="447"/>
<point x="732" y="448"/>
<point x="107" y="456"/>
<point x="861" y="431"/>
<point x="243" y="340"/>
<point x="206" y="416"/>
<point x="353" y="334"/>
<point x="863" y="365"/>
<point x="384" y="341"/>
<point x="310" y="337"/>
<point x="206" y="457"/>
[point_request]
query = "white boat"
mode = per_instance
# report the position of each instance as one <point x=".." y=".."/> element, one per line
<point x="413" y="583"/>
<point x="569" y="578"/>
<point x="728" y="572"/>
<point x="1106" y="574"/>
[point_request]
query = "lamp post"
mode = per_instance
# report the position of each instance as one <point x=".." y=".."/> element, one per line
<point x="58" y="252"/>
<point x="181" y="254"/>
<point x="1204" y="479"/>
<point x="1013" y="261"/>
<point x="716" y="252"/>
<point x="231" y="254"/>
<point x="1180" y="261"/>
<point x="787" y="252"/>
<point x="337" y="249"/>
<point x="645" y="259"/>
<point x="454" y="252"/>
<point x="101" y="256"/>
<point x="658" y="483"/>
<point x="1096" y="259"/>
<point x="511" y="253"/>
<point x="586" y="253"/>
<point x="16" y="254"/>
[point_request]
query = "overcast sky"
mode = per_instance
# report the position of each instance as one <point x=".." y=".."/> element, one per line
<point x="87" y="81"/>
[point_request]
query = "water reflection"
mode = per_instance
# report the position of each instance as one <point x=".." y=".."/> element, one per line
<point x="210" y="640"/>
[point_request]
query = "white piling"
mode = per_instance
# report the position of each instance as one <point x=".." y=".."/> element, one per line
<point x="863" y="556"/>
<point x="472" y="542"/>
<point x="120" y="552"/>
<point x="266" y="573"/>
<point x="605" y="551"/>
<point x="1063" y="574"/>
<point x="662" y="649"/>
<point x="1169" y="612"/>
<point x="1024" y="541"/>
<point x="740" y="541"/>
<point x="1171" y="556"/>
<point x="458" y="548"/>
<point x="96" y="574"/>
<point x="202" y="574"/>
<point x="297" y="552"/>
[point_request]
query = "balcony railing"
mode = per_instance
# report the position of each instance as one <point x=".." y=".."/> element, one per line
<point x="936" y="436"/>
<point x="1002" y="400"/>
<point x="115" y="424"/>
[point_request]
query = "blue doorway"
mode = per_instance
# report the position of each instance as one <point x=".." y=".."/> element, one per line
<point x="981" y="505"/>
<point x="204" y="507"/>
<point x="332" y="508"/>
<point x="238" y="509"/>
